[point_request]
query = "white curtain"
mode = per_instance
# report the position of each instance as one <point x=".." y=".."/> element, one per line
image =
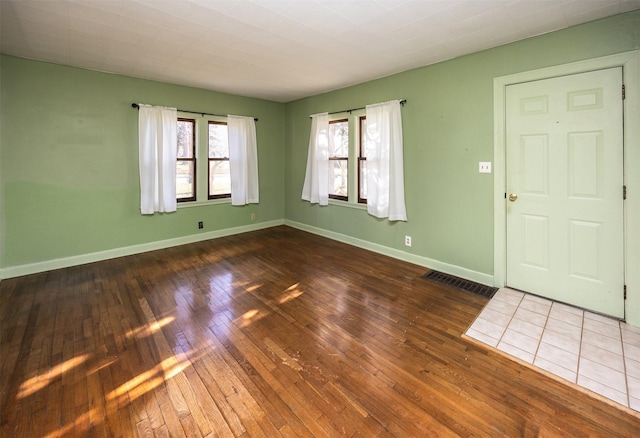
<point x="157" y="149"/>
<point x="385" y="172"/>
<point x="243" y="160"/>
<point x="316" y="179"/>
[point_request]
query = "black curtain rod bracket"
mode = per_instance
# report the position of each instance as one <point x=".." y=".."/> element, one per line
<point x="135" y="105"/>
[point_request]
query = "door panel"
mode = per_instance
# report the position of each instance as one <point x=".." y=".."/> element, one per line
<point x="565" y="172"/>
<point x="585" y="165"/>
<point x="585" y="239"/>
<point x="536" y="241"/>
<point x="534" y="165"/>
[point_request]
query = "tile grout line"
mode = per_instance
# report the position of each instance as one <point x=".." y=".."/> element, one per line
<point x="513" y="314"/>
<point x="582" y="329"/>
<point x="546" y="321"/>
<point x="624" y="366"/>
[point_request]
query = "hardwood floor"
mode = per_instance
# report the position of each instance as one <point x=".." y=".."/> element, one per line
<point x="270" y="333"/>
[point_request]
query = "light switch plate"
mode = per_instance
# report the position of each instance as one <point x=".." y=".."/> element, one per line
<point x="484" y="167"/>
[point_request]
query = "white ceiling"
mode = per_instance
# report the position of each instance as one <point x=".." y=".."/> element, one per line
<point x="279" y="50"/>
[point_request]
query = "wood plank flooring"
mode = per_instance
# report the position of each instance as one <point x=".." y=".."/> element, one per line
<point x="271" y="333"/>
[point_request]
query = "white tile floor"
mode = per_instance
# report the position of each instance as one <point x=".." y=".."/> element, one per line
<point x="590" y="350"/>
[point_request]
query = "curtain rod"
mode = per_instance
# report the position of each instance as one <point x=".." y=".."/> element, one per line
<point x="135" y="105"/>
<point x="402" y="102"/>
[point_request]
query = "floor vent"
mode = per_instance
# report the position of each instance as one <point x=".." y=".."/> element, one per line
<point x="460" y="283"/>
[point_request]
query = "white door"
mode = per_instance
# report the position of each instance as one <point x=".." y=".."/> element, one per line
<point x="564" y="197"/>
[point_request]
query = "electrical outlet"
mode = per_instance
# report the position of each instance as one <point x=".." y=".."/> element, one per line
<point x="253" y="216"/>
<point x="200" y="225"/>
<point x="407" y="240"/>
<point x="484" y="167"/>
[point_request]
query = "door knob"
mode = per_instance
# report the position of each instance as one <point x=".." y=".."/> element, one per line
<point x="513" y="197"/>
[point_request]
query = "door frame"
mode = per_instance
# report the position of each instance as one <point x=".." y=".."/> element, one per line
<point x="630" y="63"/>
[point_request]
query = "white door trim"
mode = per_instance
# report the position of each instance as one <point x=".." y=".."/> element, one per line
<point x="630" y="63"/>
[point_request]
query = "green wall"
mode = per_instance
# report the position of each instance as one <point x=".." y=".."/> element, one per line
<point x="68" y="153"/>
<point x="448" y="129"/>
<point x="69" y="157"/>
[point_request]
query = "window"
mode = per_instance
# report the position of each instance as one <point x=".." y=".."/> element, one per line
<point x="219" y="177"/>
<point x="339" y="159"/>
<point x="186" y="161"/>
<point x="362" y="161"/>
<point x="375" y="149"/>
<point x="334" y="150"/>
<point x="230" y="146"/>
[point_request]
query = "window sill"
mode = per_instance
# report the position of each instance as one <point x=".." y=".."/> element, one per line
<point x="347" y="204"/>
<point x="203" y="203"/>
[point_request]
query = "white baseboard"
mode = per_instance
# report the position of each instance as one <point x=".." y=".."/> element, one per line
<point x="447" y="268"/>
<point x="33" y="268"/>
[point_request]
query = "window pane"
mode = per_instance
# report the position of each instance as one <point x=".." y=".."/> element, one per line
<point x="218" y="141"/>
<point x="185" y="138"/>
<point x="219" y="179"/>
<point x="338" y="177"/>
<point x="363" y="180"/>
<point x="339" y="139"/>
<point x="184" y="179"/>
